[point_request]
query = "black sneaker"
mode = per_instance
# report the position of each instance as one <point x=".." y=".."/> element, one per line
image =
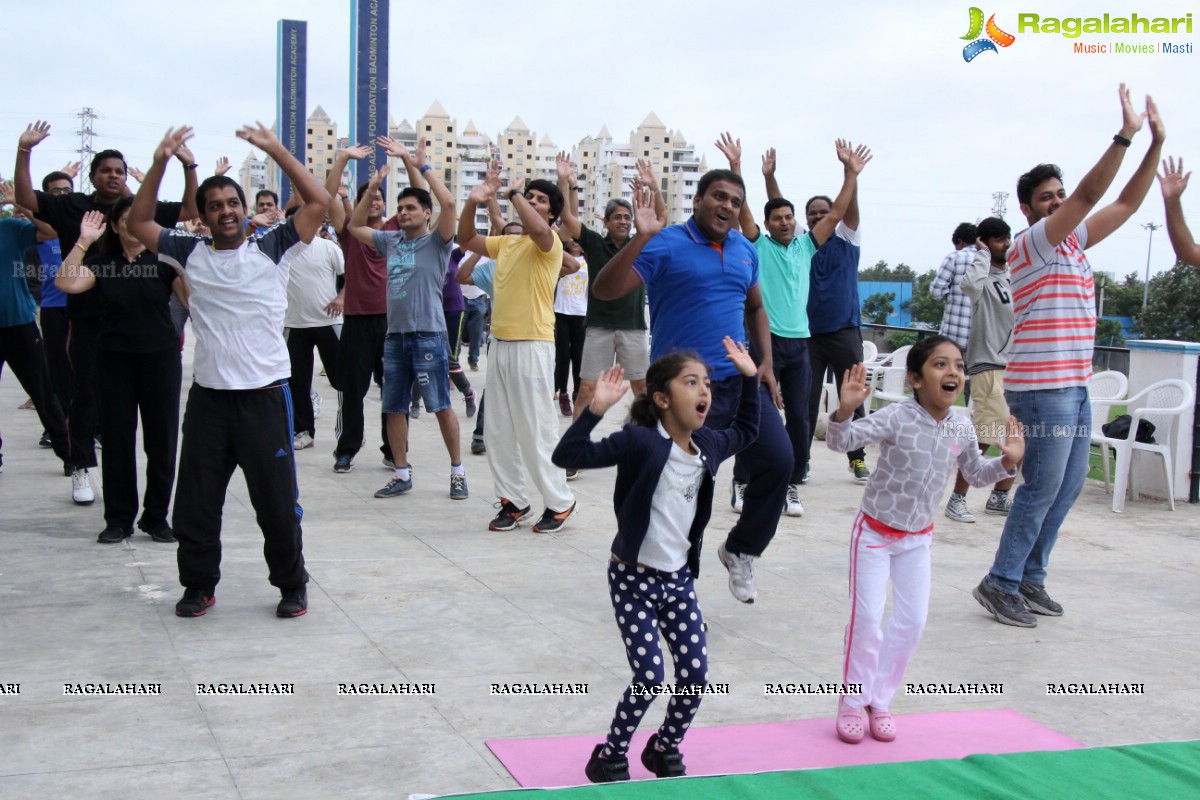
<point x="160" y="532"/>
<point x="113" y="534"/>
<point x="45" y="440"/>
<point x="294" y="603"/>
<point x="663" y="763"/>
<point x="552" y="521"/>
<point x="606" y="770"/>
<point x="343" y="463"/>
<point x="508" y="517"/>
<point x="1008" y="609"/>
<point x="477" y="446"/>
<point x="195" y="602"/>
<point x="1038" y="601"/>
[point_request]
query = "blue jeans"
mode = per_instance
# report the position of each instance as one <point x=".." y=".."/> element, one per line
<point x="422" y="358"/>
<point x="1057" y="439"/>
<point x="473" y="326"/>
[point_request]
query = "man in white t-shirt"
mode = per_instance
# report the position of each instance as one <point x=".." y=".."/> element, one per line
<point x="313" y="320"/>
<point x="239" y="409"/>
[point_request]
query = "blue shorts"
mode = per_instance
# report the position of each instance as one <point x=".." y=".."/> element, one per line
<point x="419" y="357"/>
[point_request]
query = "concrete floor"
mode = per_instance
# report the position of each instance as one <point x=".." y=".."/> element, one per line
<point x="416" y="590"/>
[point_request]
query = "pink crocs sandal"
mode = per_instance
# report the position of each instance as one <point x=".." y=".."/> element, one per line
<point x="883" y="728"/>
<point x="849" y="723"/>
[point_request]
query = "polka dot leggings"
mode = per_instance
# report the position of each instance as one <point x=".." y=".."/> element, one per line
<point x="647" y="601"/>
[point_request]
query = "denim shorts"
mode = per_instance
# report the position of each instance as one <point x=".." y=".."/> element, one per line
<point x="420" y="358"/>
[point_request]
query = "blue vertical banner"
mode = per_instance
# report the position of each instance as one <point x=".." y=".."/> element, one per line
<point x="368" y="83"/>
<point x="291" y="110"/>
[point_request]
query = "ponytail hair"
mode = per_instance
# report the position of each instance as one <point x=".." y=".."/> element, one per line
<point x="665" y="369"/>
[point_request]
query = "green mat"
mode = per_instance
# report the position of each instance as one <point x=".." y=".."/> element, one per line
<point x="1162" y="770"/>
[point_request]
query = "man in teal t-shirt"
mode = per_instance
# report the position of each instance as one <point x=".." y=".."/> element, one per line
<point x="783" y="262"/>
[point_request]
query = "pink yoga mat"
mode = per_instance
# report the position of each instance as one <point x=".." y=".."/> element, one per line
<point x="800" y="744"/>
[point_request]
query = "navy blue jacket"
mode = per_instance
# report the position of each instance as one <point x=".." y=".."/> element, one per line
<point x="640" y="455"/>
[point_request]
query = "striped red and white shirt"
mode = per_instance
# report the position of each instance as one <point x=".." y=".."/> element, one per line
<point x="1054" y="303"/>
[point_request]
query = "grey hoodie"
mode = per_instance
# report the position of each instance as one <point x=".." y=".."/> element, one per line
<point x="989" y="289"/>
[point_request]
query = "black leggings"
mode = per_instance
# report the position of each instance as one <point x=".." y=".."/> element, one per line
<point x="568" y="350"/>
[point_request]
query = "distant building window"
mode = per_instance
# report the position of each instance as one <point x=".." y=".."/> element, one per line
<point x="449" y="129"/>
<point x="320" y="138"/>
<point x="647" y="138"/>
<point x="428" y="127"/>
<point x="437" y="151"/>
<point x="438" y="137"/>
<point x="309" y="145"/>
<point x="664" y="184"/>
<point x="520" y="148"/>
<point x="666" y="140"/>
<point x="310" y="130"/>
<point x="510" y="141"/>
<point x="329" y="161"/>
<point x="447" y="178"/>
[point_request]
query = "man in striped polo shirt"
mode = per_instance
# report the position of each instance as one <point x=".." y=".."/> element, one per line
<point x="1050" y="358"/>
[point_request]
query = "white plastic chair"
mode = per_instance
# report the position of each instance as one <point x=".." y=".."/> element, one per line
<point x="870" y="352"/>
<point x="1165" y="403"/>
<point x="892" y="386"/>
<point x="1105" y="390"/>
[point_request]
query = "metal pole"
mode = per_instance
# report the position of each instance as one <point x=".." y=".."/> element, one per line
<point x="1146" y="289"/>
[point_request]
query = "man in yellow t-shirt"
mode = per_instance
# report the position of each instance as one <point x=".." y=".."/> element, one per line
<point x="522" y="428"/>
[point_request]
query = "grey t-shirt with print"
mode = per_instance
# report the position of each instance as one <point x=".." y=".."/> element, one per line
<point x="416" y="271"/>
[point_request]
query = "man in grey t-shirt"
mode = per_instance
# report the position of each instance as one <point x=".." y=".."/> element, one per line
<point x="415" y="348"/>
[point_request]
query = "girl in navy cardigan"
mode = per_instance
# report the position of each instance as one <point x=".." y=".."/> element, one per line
<point x="666" y="463"/>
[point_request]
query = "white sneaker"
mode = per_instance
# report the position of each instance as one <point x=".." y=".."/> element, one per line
<point x="302" y="441"/>
<point x="317" y="402"/>
<point x="794" y="507"/>
<point x="999" y="504"/>
<point x="741" y="574"/>
<point x="737" y="495"/>
<point x="956" y="508"/>
<point x="81" y="487"/>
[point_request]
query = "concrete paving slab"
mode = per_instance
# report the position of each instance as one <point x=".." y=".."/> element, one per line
<point x="415" y="590"/>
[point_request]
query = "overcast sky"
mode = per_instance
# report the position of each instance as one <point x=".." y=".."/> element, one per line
<point x="946" y="134"/>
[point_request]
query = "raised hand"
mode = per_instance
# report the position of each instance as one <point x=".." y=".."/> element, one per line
<point x="1173" y="179"/>
<point x="7" y="192"/>
<point x="645" y="219"/>
<point x="1158" y="131"/>
<point x="854" y="392"/>
<point x="610" y="388"/>
<point x="419" y="156"/>
<point x="645" y="176"/>
<point x="222" y="166"/>
<point x="184" y="153"/>
<point x="565" y="168"/>
<point x="172" y="140"/>
<point x="768" y="165"/>
<point x="737" y="354"/>
<point x="136" y="174"/>
<point x="258" y="135"/>
<point x="394" y="147"/>
<point x="356" y="151"/>
<point x="34" y="133"/>
<point x="1131" y="121"/>
<point x="378" y="177"/>
<point x="1012" y="446"/>
<point x="71" y="168"/>
<point x="730" y="147"/>
<point x="91" y="228"/>
<point x="855" y="158"/>
<point x="516" y="182"/>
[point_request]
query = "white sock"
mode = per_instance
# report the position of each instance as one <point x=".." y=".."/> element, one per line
<point x="457" y="469"/>
<point x="403" y="473"/>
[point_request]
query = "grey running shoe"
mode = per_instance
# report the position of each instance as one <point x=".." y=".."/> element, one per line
<point x="737" y="495"/>
<point x="458" y="487"/>
<point x="741" y="574"/>
<point x="1008" y="609"/>
<point x="396" y="486"/>
<point x="1038" y="601"/>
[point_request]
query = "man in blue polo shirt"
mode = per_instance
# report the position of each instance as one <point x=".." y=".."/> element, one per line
<point x="785" y="260"/>
<point x="707" y="259"/>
